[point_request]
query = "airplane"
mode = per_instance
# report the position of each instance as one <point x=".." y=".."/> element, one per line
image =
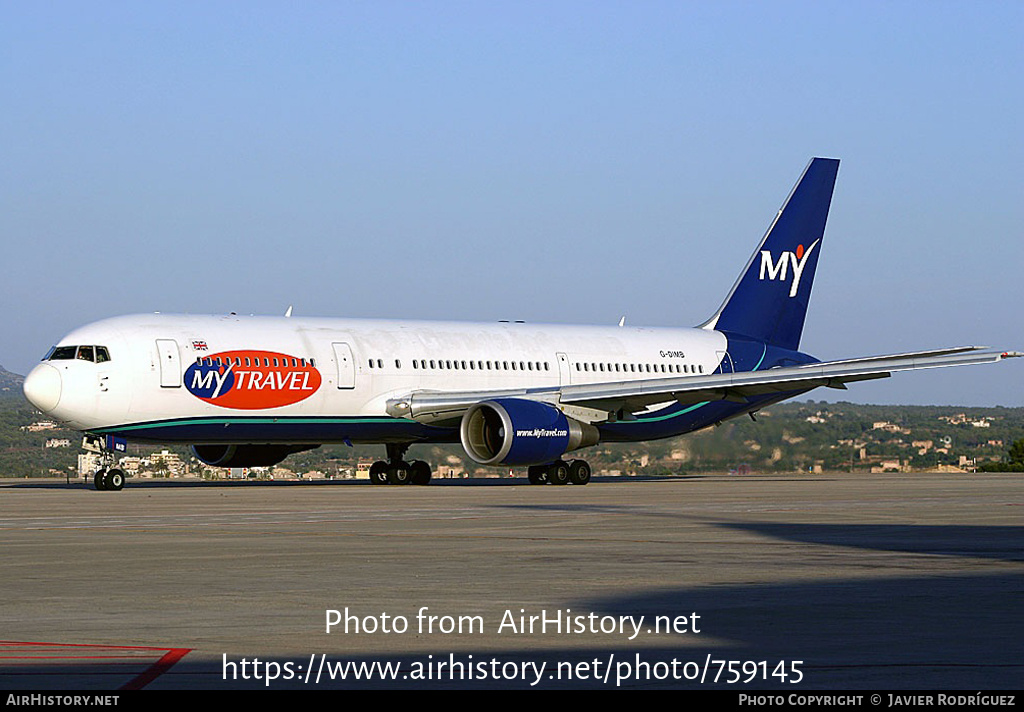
<point x="249" y="391"/>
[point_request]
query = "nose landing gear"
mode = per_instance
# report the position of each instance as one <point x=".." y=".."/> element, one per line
<point x="108" y="477"/>
<point x="111" y="480"/>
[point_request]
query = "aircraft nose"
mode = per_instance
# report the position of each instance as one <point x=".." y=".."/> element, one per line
<point x="42" y="387"/>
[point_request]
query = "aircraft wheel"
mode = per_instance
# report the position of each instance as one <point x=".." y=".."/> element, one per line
<point x="558" y="473"/>
<point x="379" y="473"/>
<point x="114" y="480"/>
<point x="398" y="474"/>
<point x="98" y="480"/>
<point x="419" y="472"/>
<point x="579" y="472"/>
<point x="537" y="474"/>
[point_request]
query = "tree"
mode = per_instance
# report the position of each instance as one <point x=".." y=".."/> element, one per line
<point x="1013" y="463"/>
<point x="1016" y="451"/>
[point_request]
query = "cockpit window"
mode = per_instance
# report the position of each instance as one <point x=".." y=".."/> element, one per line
<point x="95" y="354"/>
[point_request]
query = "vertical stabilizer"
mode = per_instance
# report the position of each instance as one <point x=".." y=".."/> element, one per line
<point x="769" y="300"/>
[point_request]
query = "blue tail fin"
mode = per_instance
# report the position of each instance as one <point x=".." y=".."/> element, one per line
<point x="769" y="300"/>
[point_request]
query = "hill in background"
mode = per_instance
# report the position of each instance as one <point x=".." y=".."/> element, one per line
<point x="10" y="383"/>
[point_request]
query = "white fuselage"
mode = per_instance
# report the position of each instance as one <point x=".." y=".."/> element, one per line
<point x="360" y="364"/>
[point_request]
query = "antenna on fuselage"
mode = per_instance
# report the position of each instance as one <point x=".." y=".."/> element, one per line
<point x="288" y="313"/>
<point x="622" y="321"/>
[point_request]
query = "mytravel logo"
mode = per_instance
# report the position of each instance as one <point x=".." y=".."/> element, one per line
<point x="779" y="270"/>
<point x="251" y="380"/>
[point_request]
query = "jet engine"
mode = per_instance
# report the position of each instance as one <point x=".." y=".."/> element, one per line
<point x="246" y="455"/>
<point x="515" y="431"/>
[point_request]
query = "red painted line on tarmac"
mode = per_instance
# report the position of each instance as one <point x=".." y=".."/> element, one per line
<point x="157" y="669"/>
<point x="116" y="654"/>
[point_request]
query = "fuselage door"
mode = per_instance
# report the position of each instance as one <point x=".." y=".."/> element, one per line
<point x="170" y="363"/>
<point x="564" y="372"/>
<point x="346" y="365"/>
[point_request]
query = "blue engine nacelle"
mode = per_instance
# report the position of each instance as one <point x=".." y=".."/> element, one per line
<point x="515" y="431"/>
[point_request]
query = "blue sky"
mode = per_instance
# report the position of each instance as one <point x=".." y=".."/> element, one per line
<point x="553" y="162"/>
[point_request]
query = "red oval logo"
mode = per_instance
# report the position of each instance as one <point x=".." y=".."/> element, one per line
<point x="252" y="380"/>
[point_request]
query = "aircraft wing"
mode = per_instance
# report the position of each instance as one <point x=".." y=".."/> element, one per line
<point x="614" y="400"/>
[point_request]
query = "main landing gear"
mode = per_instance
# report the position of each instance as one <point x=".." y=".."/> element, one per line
<point x="560" y="472"/>
<point x="396" y="471"/>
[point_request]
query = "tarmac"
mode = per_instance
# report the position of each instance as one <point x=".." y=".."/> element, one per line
<point x="745" y="582"/>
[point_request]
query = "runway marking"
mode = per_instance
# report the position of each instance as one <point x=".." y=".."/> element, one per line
<point x="29" y="653"/>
